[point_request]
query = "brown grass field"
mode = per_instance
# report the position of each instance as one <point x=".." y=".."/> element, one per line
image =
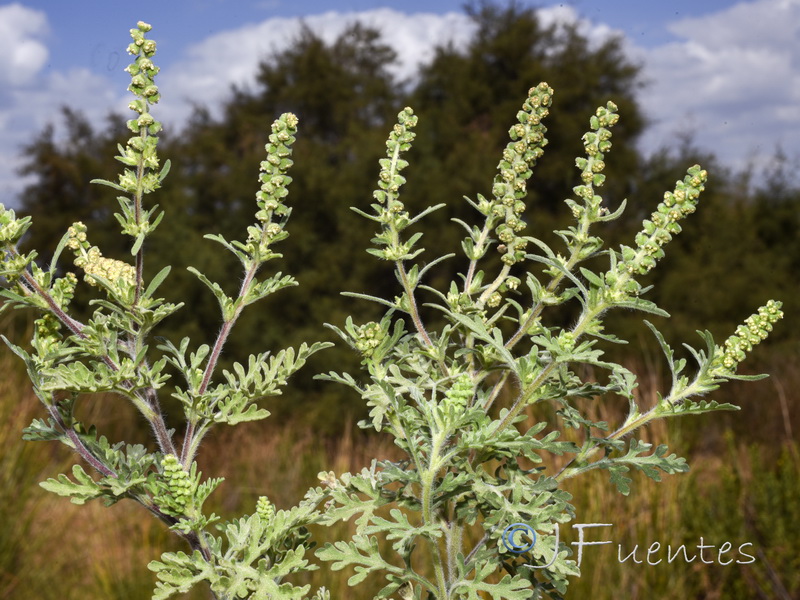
<point x="744" y="487"/>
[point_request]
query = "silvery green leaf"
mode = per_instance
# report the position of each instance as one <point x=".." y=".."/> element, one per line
<point x="508" y="588"/>
<point x="81" y="490"/>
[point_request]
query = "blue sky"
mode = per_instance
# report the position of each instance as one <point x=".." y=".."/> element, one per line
<point x="727" y="71"/>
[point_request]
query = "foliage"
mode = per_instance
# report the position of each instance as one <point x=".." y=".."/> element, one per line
<point x="437" y="391"/>
<point x="111" y="353"/>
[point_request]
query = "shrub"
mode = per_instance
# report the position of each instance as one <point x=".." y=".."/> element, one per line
<point x="439" y="391"/>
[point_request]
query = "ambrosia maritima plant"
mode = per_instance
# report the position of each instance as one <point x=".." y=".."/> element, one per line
<point x="452" y="396"/>
<point x="470" y="475"/>
<point x="110" y="354"/>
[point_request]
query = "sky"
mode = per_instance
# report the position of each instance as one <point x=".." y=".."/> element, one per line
<point x="726" y="72"/>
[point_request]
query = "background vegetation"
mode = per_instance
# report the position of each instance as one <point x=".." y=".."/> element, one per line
<point x="741" y="248"/>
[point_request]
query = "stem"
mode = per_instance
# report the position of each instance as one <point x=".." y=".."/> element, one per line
<point x="414" y="311"/>
<point x="495" y="285"/>
<point x="80" y="447"/>
<point x="476" y="249"/>
<point x="226" y="329"/>
<point x="454" y="542"/>
<point x="137" y="203"/>
<point x="474" y="551"/>
<point x="428" y="477"/>
<point x="191" y="443"/>
<point x="587" y="317"/>
<point x="195" y="541"/>
<point x="187" y="440"/>
<point x="74" y="326"/>
<point x="553" y="285"/>
<point x="496" y="390"/>
<point x="159" y="426"/>
<point x="629" y="426"/>
<point x="191" y="438"/>
<point x="148" y="407"/>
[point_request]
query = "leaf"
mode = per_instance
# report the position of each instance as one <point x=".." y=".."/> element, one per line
<point x="178" y="572"/>
<point x="508" y="588"/>
<point x="619" y="479"/>
<point x="59" y="249"/>
<point x="701" y="407"/>
<point x="39" y="431"/>
<point x="476" y="326"/>
<point x="401" y="530"/>
<point x="81" y="490"/>
<point x="651" y="465"/>
<point x="164" y="170"/>
<point x="157" y="281"/>
<point x="137" y="244"/>
<point x="110" y="184"/>
<point x="362" y="553"/>
<point x="233" y="401"/>
<point x="250" y="565"/>
<point x="225" y="302"/>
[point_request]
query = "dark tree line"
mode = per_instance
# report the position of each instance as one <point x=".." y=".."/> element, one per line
<point x="741" y="248"/>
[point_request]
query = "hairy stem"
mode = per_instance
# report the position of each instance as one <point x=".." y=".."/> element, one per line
<point x="192" y="436"/>
<point x="412" y="303"/>
<point x="588" y="315"/>
<point x="632" y="423"/>
<point x="80" y="447"/>
<point x="536" y="311"/>
<point x="428" y="477"/>
<point x="147" y="406"/>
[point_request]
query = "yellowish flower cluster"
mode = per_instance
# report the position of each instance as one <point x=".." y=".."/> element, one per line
<point x="94" y="264"/>
<point x="370" y="335"/>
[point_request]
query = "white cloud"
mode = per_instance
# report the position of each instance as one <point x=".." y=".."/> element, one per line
<point x="38" y="104"/>
<point x="565" y="15"/>
<point x="22" y="53"/>
<point x="30" y="97"/>
<point x="732" y="79"/>
<point x="210" y="67"/>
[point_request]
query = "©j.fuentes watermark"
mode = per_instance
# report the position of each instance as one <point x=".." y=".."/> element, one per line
<point x="520" y="538"/>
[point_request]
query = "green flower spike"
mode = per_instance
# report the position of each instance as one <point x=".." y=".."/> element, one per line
<point x="656" y="232"/>
<point x="141" y="149"/>
<point x="369" y="337"/>
<point x="142" y="175"/>
<point x="510" y="184"/>
<point x="755" y="329"/>
<point x="178" y="489"/>
<point x="390" y="212"/>
<point x="11" y="230"/>
<point x="274" y="189"/>
<point x="458" y="397"/>
<point x="265" y="509"/>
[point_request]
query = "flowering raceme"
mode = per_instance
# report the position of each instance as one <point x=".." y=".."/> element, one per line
<point x="453" y="396"/>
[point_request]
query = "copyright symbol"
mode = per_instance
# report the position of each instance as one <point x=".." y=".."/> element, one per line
<point x="524" y="530"/>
